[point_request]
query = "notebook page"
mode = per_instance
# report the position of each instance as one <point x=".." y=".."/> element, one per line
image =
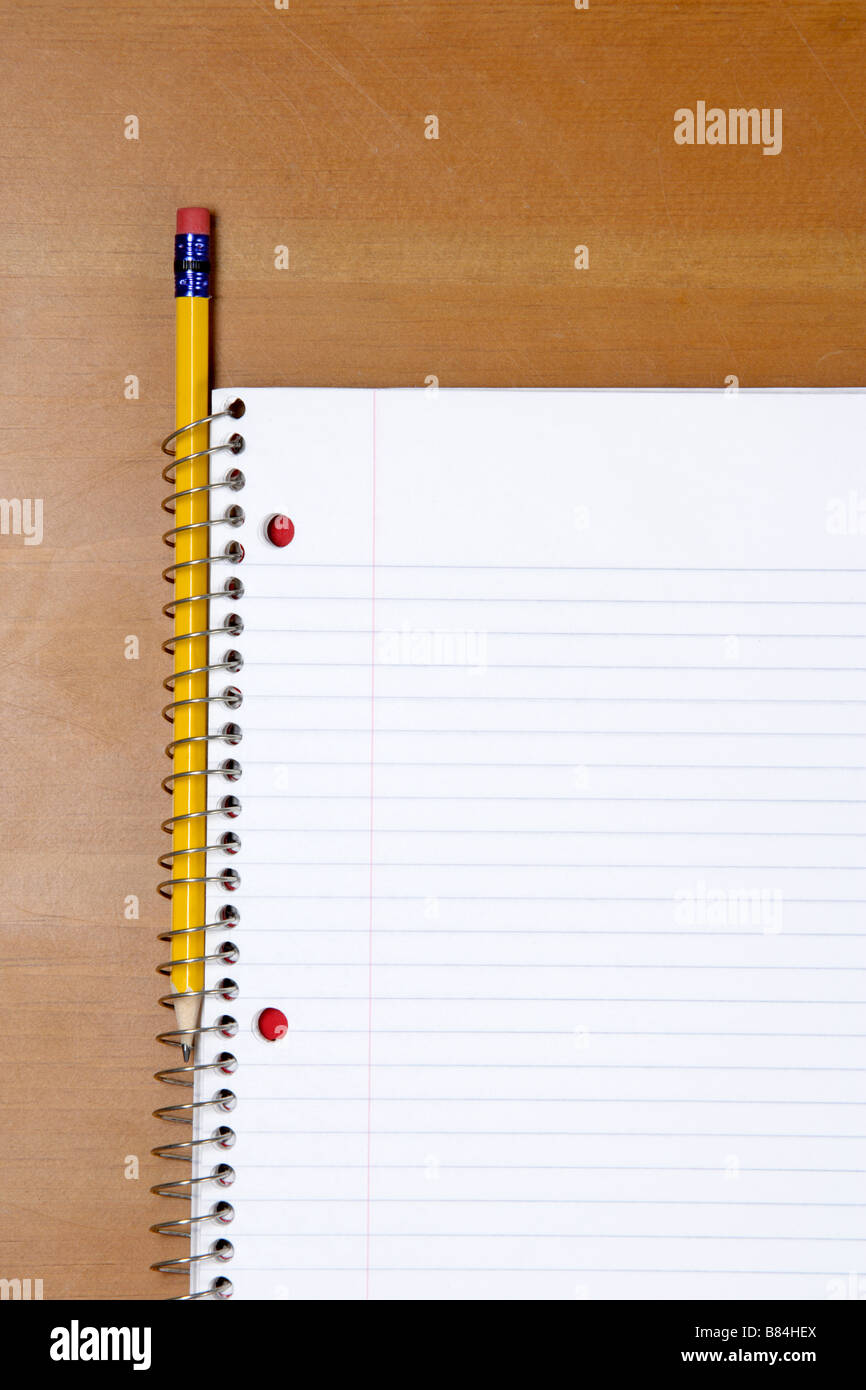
<point x="551" y="847"/>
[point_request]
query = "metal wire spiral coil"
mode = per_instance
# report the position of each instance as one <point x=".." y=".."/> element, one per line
<point x="224" y="1063"/>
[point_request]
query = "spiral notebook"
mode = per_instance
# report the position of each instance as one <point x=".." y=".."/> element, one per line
<point x="545" y="836"/>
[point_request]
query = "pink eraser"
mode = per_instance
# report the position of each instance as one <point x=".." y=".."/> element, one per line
<point x="195" y="220"/>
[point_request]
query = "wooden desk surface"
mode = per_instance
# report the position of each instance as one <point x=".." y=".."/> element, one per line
<point x="407" y="257"/>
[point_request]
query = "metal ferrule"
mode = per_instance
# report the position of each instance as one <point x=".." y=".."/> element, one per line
<point x="192" y="265"/>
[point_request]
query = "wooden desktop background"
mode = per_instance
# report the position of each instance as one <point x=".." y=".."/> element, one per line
<point x="304" y="127"/>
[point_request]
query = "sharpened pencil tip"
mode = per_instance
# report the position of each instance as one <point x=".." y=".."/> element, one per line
<point x="187" y="1052"/>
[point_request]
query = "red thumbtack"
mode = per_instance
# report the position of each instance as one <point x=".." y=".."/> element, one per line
<point x="272" y="1024"/>
<point x="280" y="530"/>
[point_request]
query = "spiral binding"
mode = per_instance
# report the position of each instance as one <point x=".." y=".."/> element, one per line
<point x="225" y="1063"/>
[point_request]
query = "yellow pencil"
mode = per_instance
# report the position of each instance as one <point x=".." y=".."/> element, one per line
<point x="189" y="802"/>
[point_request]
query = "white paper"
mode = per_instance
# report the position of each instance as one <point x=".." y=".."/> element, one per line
<point x="552" y="847"/>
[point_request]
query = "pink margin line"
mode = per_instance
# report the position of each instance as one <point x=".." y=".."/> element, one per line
<point x="370" y="920"/>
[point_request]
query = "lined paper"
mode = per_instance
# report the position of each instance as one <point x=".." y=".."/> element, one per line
<point x="551" y="826"/>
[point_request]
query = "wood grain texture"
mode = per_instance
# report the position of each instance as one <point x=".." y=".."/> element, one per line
<point x="407" y="257"/>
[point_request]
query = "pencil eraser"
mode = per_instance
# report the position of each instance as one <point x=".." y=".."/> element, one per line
<point x="195" y="220"/>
